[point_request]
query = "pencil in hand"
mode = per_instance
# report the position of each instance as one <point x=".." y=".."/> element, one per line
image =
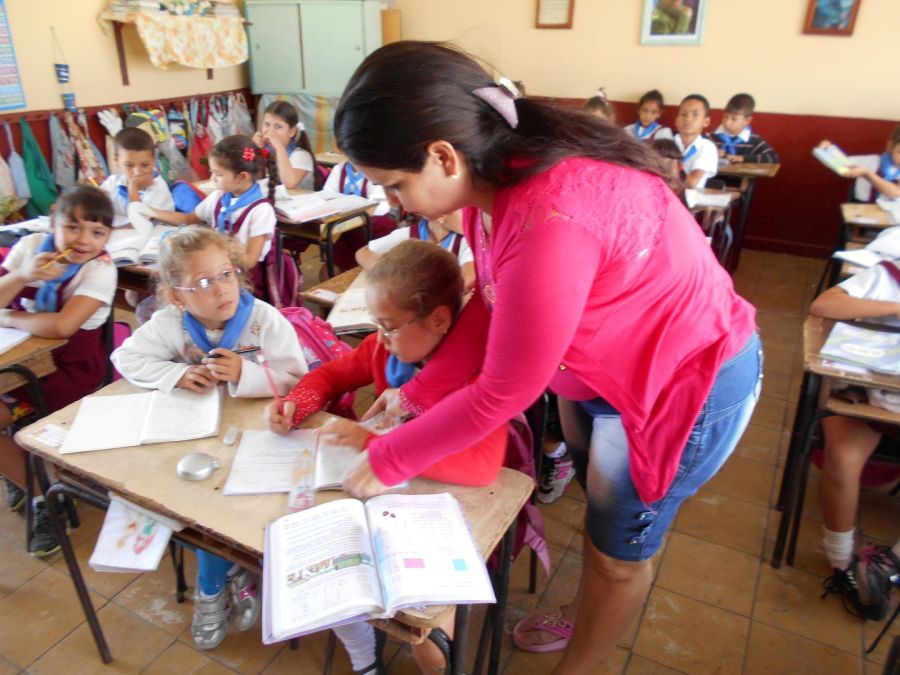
<point x="245" y="350"/>
<point x="56" y="259"/>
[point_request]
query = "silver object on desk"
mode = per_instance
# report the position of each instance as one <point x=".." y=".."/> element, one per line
<point x="197" y="466"/>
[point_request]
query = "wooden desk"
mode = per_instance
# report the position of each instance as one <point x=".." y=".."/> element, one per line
<point x="748" y="173"/>
<point x="323" y="232"/>
<point x="234" y="526"/>
<point x="330" y="158"/>
<point x="714" y="220"/>
<point x="33" y="354"/>
<point x="337" y="285"/>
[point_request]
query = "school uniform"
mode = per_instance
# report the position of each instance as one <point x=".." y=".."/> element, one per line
<point x="157" y="195"/>
<point x="752" y="147"/>
<point x="157" y="355"/>
<point x="874" y="283"/>
<point x="255" y="219"/>
<point x="453" y="242"/>
<point x="299" y="159"/>
<point x="863" y="190"/>
<point x="702" y="154"/>
<point x="81" y="362"/>
<point x="651" y="132"/>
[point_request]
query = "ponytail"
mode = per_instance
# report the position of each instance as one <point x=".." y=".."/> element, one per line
<point x="303" y="142"/>
<point x="409" y="94"/>
<point x="274" y="178"/>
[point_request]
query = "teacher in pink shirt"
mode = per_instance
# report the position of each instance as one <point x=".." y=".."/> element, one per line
<point x="593" y="281"/>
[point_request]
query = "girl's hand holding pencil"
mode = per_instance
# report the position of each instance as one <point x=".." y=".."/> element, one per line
<point x="279" y="416"/>
<point x="224" y="364"/>
<point x="44" y="266"/>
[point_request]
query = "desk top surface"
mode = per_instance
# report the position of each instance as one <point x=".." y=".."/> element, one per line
<point x="336" y="284"/>
<point x="870" y="215"/>
<point x="330" y="158"/>
<point x="749" y="169"/>
<point x="33" y="346"/>
<point x="146" y="475"/>
<point x="815" y="332"/>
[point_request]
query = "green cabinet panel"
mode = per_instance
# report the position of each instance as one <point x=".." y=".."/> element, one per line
<point x="276" y="53"/>
<point x="332" y="37"/>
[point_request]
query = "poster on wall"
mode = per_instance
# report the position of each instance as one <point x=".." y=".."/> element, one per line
<point x="673" y="22"/>
<point x="11" y="93"/>
<point x="831" y="17"/>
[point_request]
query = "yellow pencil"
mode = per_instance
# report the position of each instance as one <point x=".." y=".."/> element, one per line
<point x="56" y="259"/>
<point x="92" y="181"/>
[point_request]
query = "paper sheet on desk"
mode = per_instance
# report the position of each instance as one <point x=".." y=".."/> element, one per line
<point x="11" y="337"/>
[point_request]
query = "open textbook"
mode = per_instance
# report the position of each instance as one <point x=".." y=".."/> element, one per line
<point x="877" y="350"/>
<point x="350" y="313"/>
<point x="346" y="561"/>
<point x="317" y="205"/>
<point x="12" y="337"/>
<point x="126" y="420"/>
<point x="834" y="158"/>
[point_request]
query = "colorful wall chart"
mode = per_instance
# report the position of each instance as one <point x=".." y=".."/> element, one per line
<point x="11" y="93"/>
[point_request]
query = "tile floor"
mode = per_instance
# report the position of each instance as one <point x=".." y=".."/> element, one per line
<point x="716" y="605"/>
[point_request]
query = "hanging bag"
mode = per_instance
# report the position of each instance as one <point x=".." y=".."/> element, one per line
<point x="201" y="143"/>
<point x="40" y="178"/>
<point x="17" y="168"/>
<point x="239" y="116"/>
<point x="62" y="154"/>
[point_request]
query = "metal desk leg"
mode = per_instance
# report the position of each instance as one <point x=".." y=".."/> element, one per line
<point x="177" y="551"/>
<point x="806" y="406"/>
<point x="442" y="641"/>
<point x="329" y="248"/>
<point x="457" y="659"/>
<point x="58" y="520"/>
<point x="742" y="224"/>
<point x="506" y="548"/>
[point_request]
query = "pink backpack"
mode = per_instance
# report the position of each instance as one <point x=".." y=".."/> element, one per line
<point x="320" y="345"/>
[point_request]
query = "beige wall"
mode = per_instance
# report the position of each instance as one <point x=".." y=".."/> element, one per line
<point x="753" y="46"/>
<point x="91" y="54"/>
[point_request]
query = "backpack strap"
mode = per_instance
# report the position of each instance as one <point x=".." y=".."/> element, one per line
<point x="236" y="227"/>
<point x="457" y="242"/>
<point x="892" y="270"/>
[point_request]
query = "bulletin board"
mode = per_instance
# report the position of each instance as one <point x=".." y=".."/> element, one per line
<point x="12" y="95"/>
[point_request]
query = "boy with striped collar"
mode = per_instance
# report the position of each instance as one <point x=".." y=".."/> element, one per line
<point x="734" y="138"/>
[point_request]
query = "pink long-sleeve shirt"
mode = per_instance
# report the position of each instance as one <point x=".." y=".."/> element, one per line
<point x="599" y="283"/>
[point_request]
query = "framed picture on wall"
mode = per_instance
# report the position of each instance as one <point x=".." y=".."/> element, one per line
<point x="831" y="17"/>
<point x="673" y="22"/>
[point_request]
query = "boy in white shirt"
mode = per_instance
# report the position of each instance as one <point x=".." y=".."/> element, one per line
<point x="138" y="182"/>
<point x="700" y="158"/>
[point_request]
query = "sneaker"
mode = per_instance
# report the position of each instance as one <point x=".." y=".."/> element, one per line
<point x="877" y="572"/>
<point x="15" y="496"/>
<point x="556" y="474"/>
<point x="210" y="623"/>
<point x="244" y="599"/>
<point x="44" y="541"/>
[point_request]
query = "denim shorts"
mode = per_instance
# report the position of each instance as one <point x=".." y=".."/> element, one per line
<point x="621" y="525"/>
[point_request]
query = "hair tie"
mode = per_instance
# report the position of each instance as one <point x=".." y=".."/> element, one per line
<point x="301" y="126"/>
<point x="600" y="93"/>
<point x="248" y="155"/>
<point x="264" y="151"/>
<point x="502" y="98"/>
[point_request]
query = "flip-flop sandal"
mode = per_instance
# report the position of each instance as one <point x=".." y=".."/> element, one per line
<point x="553" y="623"/>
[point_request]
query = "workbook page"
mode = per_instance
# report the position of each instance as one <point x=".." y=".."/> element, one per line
<point x="182" y="416"/>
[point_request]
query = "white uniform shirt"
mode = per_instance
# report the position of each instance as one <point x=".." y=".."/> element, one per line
<point x="874" y="283"/>
<point x="705" y="158"/>
<point x="375" y="192"/>
<point x="384" y="244"/>
<point x="260" y="221"/>
<point x="659" y="133"/>
<point x="159" y="352"/>
<point x="157" y="195"/>
<point x="96" y="279"/>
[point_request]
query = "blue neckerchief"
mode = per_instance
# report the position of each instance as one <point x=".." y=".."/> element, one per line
<point x="729" y="143"/>
<point x="397" y="372"/>
<point x="45" y="300"/>
<point x="690" y="153"/>
<point x="233" y="327"/>
<point x="886" y="168"/>
<point x="425" y="234"/>
<point x="353" y="181"/>
<point x="643" y="132"/>
<point x="229" y="205"/>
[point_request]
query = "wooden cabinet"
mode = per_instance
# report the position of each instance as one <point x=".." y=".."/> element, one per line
<point x="309" y="46"/>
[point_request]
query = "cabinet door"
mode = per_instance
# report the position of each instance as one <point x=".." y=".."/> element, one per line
<point x="276" y="56"/>
<point x="333" y="44"/>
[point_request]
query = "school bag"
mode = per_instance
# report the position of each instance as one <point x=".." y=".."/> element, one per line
<point x="320" y="345"/>
<point x="186" y="196"/>
<point x="239" y="120"/>
<point x="62" y="154"/>
<point x="201" y="143"/>
<point x="17" y="168"/>
<point x="40" y="179"/>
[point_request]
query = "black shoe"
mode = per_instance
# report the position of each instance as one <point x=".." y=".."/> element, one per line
<point x="44" y="541"/>
<point x="876" y="573"/>
<point x="15" y="496"/>
<point x="377" y="666"/>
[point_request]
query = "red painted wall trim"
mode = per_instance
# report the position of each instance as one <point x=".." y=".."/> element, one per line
<point x="797" y="211"/>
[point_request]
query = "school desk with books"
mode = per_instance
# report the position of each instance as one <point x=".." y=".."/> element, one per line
<point x="350" y="313"/>
<point x="234" y="526"/>
<point x="748" y="173"/>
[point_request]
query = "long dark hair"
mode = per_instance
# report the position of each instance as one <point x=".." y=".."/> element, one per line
<point x="230" y="153"/>
<point x="409" y="94"/>
<point x="288" y="113"/>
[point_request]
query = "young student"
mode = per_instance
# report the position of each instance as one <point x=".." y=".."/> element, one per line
<point x="873" y="295"/>
<point x="238" y="208"/>
<point x="347" y="180"/>
<point x="414" y="293"/>
<point x="599" y="106"/>
<point x="293" y="154"/>
<point x="190" y="343"/>
<point x="138" y="180"/>
<point x="647" y="128"/>
<point x="699" y="157"/>
<point x="885" y="179"/>
<point x="445" y="231"/>
<point x="734" y="138"/>
<point x="60" y="285"/>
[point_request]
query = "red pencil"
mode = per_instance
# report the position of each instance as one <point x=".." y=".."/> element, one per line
<point x="261" y="360"/>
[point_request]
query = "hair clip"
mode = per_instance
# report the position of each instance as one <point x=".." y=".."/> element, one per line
<point x="502" y="98"/>
<point x="601" y="93"/>
<point x="264" y="152"/>
<point x="248" y="155"/>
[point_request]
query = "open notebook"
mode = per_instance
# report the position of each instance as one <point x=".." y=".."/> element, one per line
<point x="350" y="313"/>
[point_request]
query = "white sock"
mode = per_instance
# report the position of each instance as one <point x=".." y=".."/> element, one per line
<point x="559" y="452"/>
<point x="359" y="641"/>
<point x="839" y="547"/>
<point x="896" y="548"/>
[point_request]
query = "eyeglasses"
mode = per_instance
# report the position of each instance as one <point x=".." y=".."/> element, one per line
<point x="393" y="331"/>
<point x="205" y="284"/>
